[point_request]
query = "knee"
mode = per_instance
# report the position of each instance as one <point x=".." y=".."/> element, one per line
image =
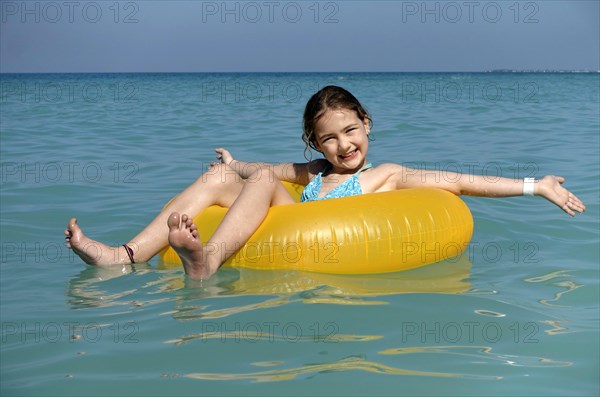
<point x="265" y="177"/>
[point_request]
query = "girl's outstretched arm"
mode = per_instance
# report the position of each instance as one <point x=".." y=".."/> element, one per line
<point x="550" y="187"/>
<point x="290" y="172"/>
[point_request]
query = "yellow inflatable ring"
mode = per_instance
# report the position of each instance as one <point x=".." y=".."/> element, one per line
<point x="370" y="233"/>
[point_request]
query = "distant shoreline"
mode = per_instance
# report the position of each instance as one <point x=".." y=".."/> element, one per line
<point x="498" y="71"/>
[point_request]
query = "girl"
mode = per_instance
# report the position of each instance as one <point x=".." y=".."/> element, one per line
<point x="337" y="126"/>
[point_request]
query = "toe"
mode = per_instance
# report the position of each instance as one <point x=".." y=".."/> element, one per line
<point x="174" y="221"/>
<point x="73" y="224"/>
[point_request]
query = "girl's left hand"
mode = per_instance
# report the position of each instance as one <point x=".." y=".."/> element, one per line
<point x="550" y="187"/>
<point x="224" y="156"/>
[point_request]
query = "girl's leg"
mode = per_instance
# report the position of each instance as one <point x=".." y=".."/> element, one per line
<point x="219" y="185"/>
<point x="261" y="191"/>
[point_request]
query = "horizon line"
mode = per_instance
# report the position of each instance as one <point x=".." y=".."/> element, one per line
<point x="503" y="70"/>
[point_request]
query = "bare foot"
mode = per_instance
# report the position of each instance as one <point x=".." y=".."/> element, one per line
<point x="91" y="251"/>
<point x="183" y="237"/>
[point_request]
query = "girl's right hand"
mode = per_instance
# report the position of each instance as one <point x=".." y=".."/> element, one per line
<point x="550" y="187"/>
<point x="224" y="156"/>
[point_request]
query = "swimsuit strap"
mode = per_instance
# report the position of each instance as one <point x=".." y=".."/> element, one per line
<point x="365" y="167"/>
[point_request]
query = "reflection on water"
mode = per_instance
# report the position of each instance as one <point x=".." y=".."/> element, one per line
<point x="218" y="297"/>
<point x="563" y="282"/>
<point x="569" y="286"/>
<point x="489" y="313"/>
<point x="84" y="290"/>
<point x="481" y="354"/>
<point x="471" y="355"/>
<point x="258" y="335"/>
<point x="557" y="328"/>
<point x="107" y="286"/>
<point x="444" y="277"/>
<point x="347" y="364"/>
<point x="474" y="356"/>
<point x="189" y="300"/>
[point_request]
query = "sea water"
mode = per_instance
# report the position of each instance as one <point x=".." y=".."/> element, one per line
<point x="517" y="313"/>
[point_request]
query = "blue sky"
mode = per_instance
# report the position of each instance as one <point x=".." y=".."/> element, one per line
<point x="288" y="36"/>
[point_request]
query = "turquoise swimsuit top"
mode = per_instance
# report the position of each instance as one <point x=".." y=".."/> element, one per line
<point x="350" y="187"/>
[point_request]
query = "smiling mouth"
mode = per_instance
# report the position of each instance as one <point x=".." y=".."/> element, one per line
<point x="349" y="155"/>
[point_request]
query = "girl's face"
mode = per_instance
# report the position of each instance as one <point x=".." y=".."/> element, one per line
<point x="343" y="139"/>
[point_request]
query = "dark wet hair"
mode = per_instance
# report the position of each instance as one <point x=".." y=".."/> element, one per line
<point x="330" y="97"/>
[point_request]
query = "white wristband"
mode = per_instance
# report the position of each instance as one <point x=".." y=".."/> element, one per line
<point x="528" y="185"/>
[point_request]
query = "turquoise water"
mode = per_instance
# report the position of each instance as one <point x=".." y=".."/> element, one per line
<point x="517" y="314"/>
